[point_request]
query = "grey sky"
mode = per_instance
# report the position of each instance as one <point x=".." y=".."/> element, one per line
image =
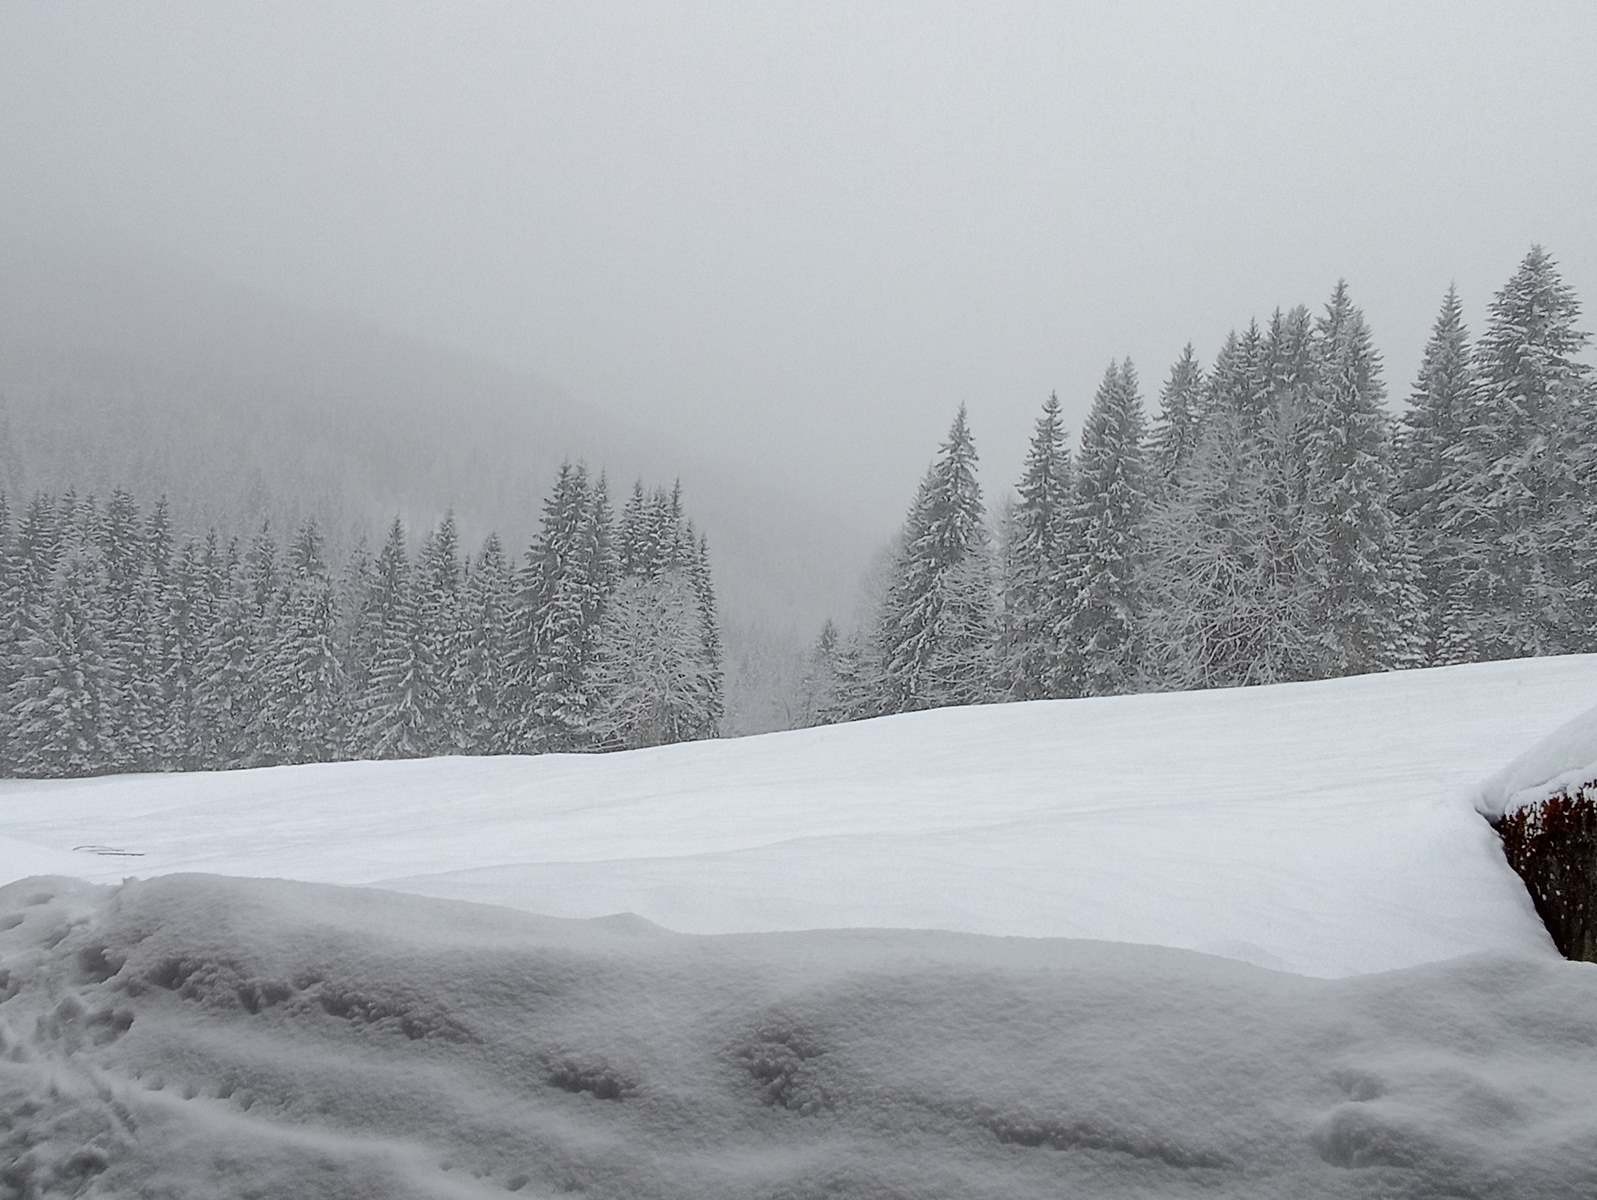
<point x="807" y="232"/>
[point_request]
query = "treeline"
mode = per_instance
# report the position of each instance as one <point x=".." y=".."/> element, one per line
<point x="1274" y="524"/>
<point x="124" y="648"/>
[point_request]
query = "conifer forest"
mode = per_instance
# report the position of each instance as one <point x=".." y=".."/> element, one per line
<point x="1274" y="521"/>
<point x="129" y="646"/>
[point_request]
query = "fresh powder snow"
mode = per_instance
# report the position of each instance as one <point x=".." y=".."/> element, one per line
<point x="186" y="1034"/>
<point x="1321" y="828"/>
<point x="1565" y="758"/>
<point x="199" y="1036"/>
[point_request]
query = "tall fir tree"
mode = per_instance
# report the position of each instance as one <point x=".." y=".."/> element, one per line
<point x="922" y="624"/>
<point x="480" y="677"/>
<point x="1368" y="603"/>
<point x="59" y="702"/>
<point x="703" y="582"/>
<point x="555" y="599"/>
<point x="400" y="696"/>
<point x="226" y="691"/>
<point x="817" y="688"/>
<point x="1033" y="558"/>
<point x="437" y="600"/>
<point x="187" y="612"/>
<point x="1520" y="481"/>
<point x="1433" y="424"/>
<point x="10" y="600"/>
<point x="357" y="629"/>
<point x="303" y="713"/>
<point x="1177" y="427"/>
<point x="650" y="665"/>
<point x="1103" y="627"/>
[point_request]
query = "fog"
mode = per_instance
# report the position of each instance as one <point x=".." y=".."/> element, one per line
<point x="802" y="234"/>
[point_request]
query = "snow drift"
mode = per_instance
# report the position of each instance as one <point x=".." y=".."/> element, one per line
<point x="1323" y="828"/>
<point x="197" y="1036"/>
<point x="1562" y="761"/>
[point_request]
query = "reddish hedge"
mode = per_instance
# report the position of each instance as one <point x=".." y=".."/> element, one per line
<point x="1553" y="847"/>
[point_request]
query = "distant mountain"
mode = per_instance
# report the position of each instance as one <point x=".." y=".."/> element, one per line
<point x="116" y="370"/>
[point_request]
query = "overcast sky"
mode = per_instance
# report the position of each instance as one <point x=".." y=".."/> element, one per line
<point x="807" y="232"/>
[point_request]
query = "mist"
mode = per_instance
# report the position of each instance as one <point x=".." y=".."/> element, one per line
<point x="799" y="235"/>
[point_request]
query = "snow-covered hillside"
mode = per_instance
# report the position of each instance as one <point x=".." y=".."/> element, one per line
<point x="1321" y="828"/>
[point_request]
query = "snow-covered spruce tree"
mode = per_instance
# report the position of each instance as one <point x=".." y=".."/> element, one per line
<point x="58" y="702"/>
<point x="1289" y="361"/>
<point x="13" y="626"/>
<point x="1225" y="572"/>
<point x="630" y="550"/>
<point x="699" y="575"/>
<point x="436" y="590"/>
<point x="226" y="692"/>
<point x="650" y="666"/>
<point x="920" y="623"/>
<point x="394" y="713"/>
<point x="1433" y="424"/>
<point x="186" y="614"/>
<point x="264" y="575"/>
<point x="599" y="544"/>
<point x="1367" y="604"/>
<point x="857" y="687"/>
<point x="1103" y="627"/>
<point x="1520" y="480"/>
<point x="961" y="666"/>
<point x="33" y="557"/>
<point x="357" y="633"/>
<point x="1033" y="555"/>
<point x="603" y="570"/>
<point x="303" y="715"/>
<point x="1177" y="427"/>
<point x="1204" y="583"/>
<point x="1239" y="382"/>
<point x="129" y="736"/>
<point x="135" y="711"/>
<point x="551" y="622"/>
<point x="480" y="669"/>
<point x="817" y="683"/>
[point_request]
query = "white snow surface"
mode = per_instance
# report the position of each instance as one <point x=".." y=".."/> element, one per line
<point x="1565" y="759"/>
<point x="209" y="1036"/>
<point x="1325" y="828"/>
<point x="201" y="1037"/>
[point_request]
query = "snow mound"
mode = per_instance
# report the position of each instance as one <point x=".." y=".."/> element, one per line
<point x="198" y="1036"/>
<point x="1315" y="828"/>
<point x="1564" y="760"/>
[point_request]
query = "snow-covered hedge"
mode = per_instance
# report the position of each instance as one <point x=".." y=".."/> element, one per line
<point x="1544" y="804"/>
<point x="1559" y="764"/>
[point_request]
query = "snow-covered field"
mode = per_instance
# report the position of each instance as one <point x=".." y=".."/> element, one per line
<point x="1321" y="828"/>
<point x="194" y="1035"/>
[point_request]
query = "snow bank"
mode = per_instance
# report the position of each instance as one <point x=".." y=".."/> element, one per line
<point x="1564" y="760"/>
<point x="195" y="1036"/>
<point x="1312" y="827"/>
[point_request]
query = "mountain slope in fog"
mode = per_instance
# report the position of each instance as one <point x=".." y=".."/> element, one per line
<point x="117" y="371"/>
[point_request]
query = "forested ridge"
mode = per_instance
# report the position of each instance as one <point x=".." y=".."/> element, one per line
<point x="125" y="646"/>
<point x="1273" y="522"/>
